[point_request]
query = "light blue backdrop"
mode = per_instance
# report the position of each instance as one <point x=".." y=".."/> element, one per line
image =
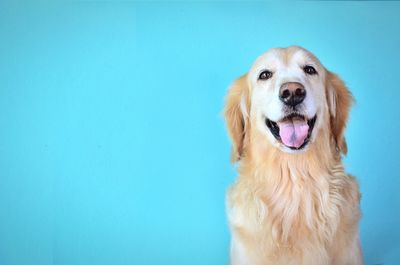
<point x="112" y="145"/>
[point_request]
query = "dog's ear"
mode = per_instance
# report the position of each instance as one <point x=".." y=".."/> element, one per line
<point x="339" y="102"/>
<point x="236" y="112"/>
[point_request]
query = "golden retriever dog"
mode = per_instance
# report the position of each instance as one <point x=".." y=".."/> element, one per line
<point x="292" y="202"/>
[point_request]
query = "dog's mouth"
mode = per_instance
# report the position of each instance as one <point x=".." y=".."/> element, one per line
<point x="294" y="131"/>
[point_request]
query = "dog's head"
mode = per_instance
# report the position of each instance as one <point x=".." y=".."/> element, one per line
<point x="288" y="97"/>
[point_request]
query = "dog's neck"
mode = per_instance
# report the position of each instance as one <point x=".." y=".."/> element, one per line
<point x="294" y="186"/>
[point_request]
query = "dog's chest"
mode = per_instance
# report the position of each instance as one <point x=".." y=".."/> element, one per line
<point x="286" y="212"/>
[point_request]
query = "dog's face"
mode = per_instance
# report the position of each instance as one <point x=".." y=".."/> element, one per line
<point x="288" y="96"/>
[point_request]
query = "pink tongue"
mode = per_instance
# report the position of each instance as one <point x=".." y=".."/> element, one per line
<point x="293" y="132"/>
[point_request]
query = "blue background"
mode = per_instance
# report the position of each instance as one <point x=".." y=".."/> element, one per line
<point x="113" y="148"/>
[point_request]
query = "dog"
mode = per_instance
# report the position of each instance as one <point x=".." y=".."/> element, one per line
<point x="292" y="202"/>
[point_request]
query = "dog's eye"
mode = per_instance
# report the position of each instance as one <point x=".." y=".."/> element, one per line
<point x="265" y="75"/>
<point x="308" y="69"/>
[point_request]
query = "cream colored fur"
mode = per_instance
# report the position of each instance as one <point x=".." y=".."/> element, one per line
<point x="291" y="208"/>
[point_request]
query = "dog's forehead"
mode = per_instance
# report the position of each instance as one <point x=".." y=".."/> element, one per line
<point x="285" y="57"/>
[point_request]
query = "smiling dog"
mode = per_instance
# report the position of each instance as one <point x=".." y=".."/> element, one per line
<point x="292" y="202"/>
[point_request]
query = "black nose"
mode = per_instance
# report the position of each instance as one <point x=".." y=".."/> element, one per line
<point x="292" y="93"/>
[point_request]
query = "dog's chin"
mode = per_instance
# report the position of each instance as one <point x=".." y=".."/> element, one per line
<point x="293" y="132"/>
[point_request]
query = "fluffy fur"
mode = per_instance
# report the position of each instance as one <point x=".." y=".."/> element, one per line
<point x="291" y="207"/>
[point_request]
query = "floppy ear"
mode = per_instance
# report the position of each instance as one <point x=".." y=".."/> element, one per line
<point x="339" y="102"/>
<point x="236" y="114"/>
